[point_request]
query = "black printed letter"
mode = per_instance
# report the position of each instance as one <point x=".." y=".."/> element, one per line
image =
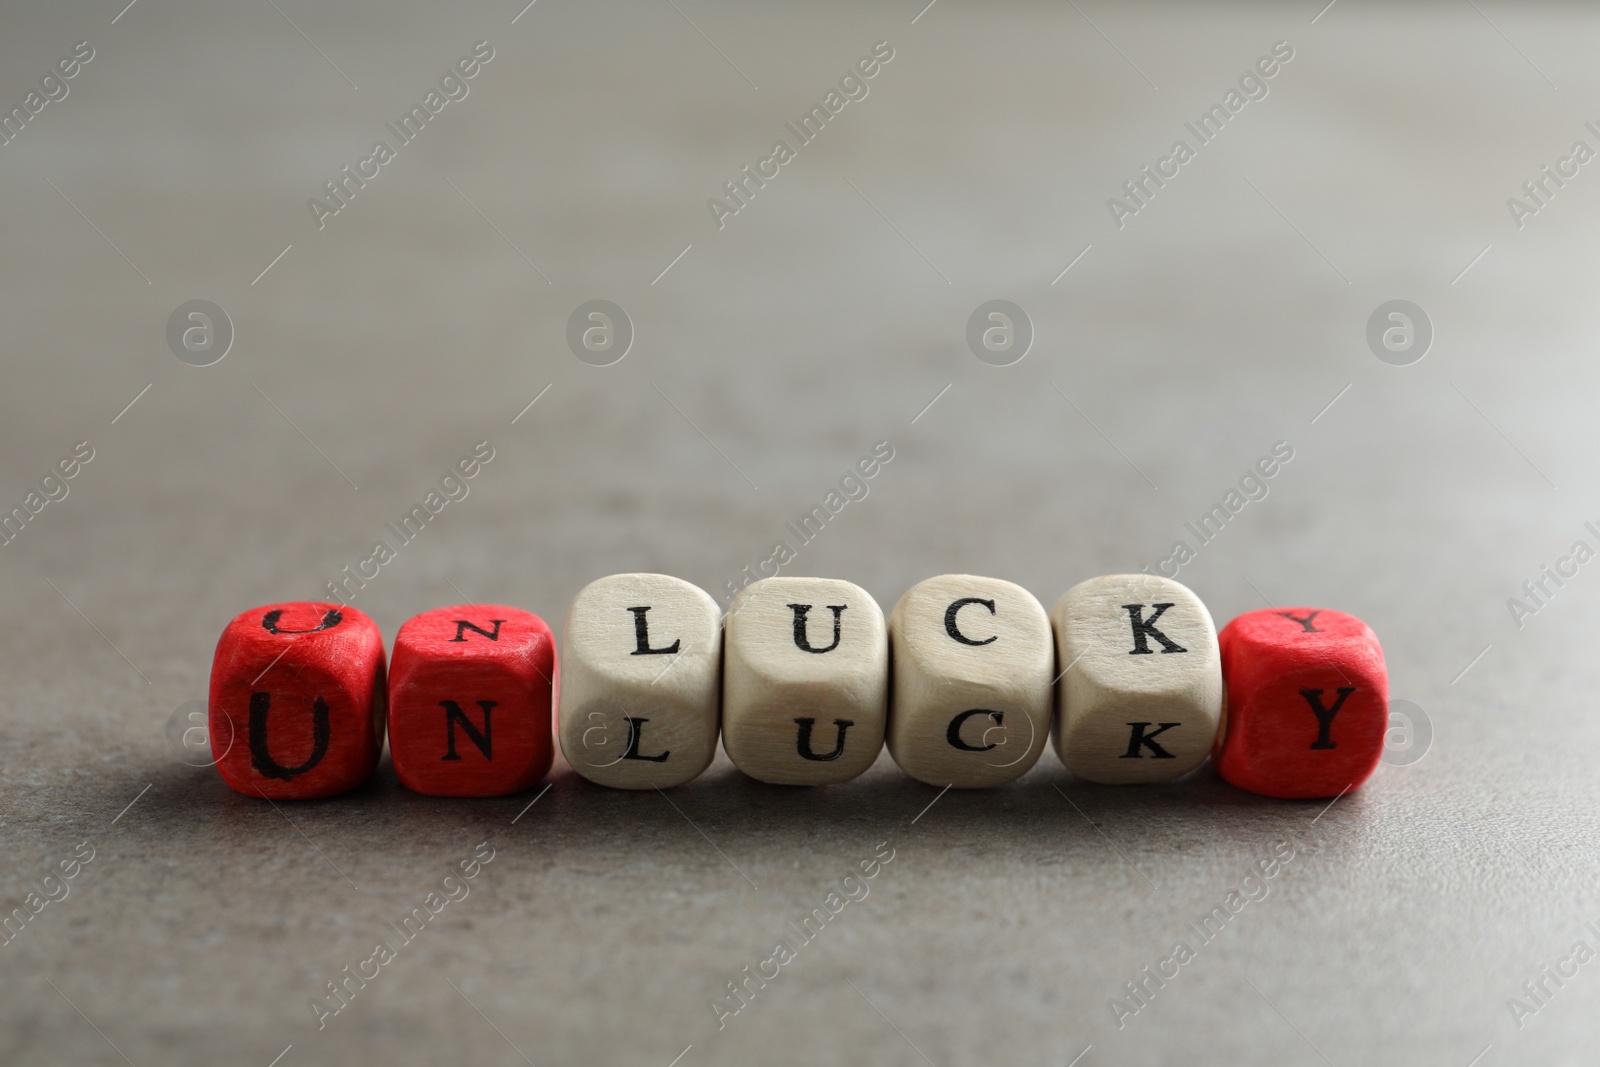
<point x="261" y="759"/>
<point x="1146" y="628"/>
<point x="950" y="620"/>
<point x="641" y="635"/>
<point x="1306" y="624"/>
<point x="462" y="626"/>
<point x="953" y="734"/>
<point x="1325" y="715"/>
<point x="269" y="622"/>
<point x="800" y="638"/>
<point x="453" y="715"/>
<point x="1137" y="738"/>
<point x="635" y="732"/>
<point x="803" y="742"/>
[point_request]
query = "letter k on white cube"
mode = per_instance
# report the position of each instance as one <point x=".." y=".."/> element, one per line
<point x="1140" y="699"/>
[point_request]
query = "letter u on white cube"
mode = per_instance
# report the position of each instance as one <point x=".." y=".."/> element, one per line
<point x="805" y="681"/>
<point x="641" y="661"/>
<point x="1140" y="699"/>
<point x="972" y="660"/>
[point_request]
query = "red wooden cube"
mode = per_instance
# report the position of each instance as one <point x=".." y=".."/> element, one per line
<point x="469" y="701"/>
<point x="297" y="700"/>
<point x="1308" y="702"/>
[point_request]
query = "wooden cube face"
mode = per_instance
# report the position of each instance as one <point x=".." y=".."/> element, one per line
<point x="1308" y="702"/>
<point x="805" y="677"/>
<point x="469" y="701"/>
<point x="296" y="706"/>
<point x="641" y="670"/>
<point x="1140" y="696"/>
<point x="973" y="659"/>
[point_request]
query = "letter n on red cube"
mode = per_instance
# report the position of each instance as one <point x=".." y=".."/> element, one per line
<point x="469" y="701"/>
<point x="297" y="700"/>
<point x="1308" y="702"/>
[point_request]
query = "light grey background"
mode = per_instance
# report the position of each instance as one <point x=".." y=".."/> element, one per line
<point x="1227" y="315"/>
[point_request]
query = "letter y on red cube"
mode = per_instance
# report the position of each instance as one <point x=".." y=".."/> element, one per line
<point x="469" y="701"/>
<point x="297" y="700"/>
<point x="1308" y="702"/>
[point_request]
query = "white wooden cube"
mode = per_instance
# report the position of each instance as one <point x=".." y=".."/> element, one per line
<point x="805" y="678"/>
<point x="1140" y="697"/>
<point x="641" y="663"/>
<point x="973" y="661"/>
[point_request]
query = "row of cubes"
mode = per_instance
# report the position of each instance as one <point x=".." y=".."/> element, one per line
<point x="804" y="680"/>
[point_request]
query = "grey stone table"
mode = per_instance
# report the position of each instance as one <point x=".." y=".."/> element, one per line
<point x="1178" y="334"/>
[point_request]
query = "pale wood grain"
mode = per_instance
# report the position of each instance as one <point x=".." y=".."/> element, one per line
<point x="1000" y="683"/>
<point x="1110" y="684"/>
<point x="605" y="681"/>
<point x="769" y="682"/>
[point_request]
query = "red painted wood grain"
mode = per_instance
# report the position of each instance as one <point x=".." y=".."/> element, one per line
<point x="470" y="700"/>
<point x="1280" y="669"/>
<point x="297" y="698"/>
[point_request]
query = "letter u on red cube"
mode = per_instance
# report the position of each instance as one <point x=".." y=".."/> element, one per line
<point x="1308" y="702"/>
<point x="469" y="701"/>
<point x="297" y="700"/>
